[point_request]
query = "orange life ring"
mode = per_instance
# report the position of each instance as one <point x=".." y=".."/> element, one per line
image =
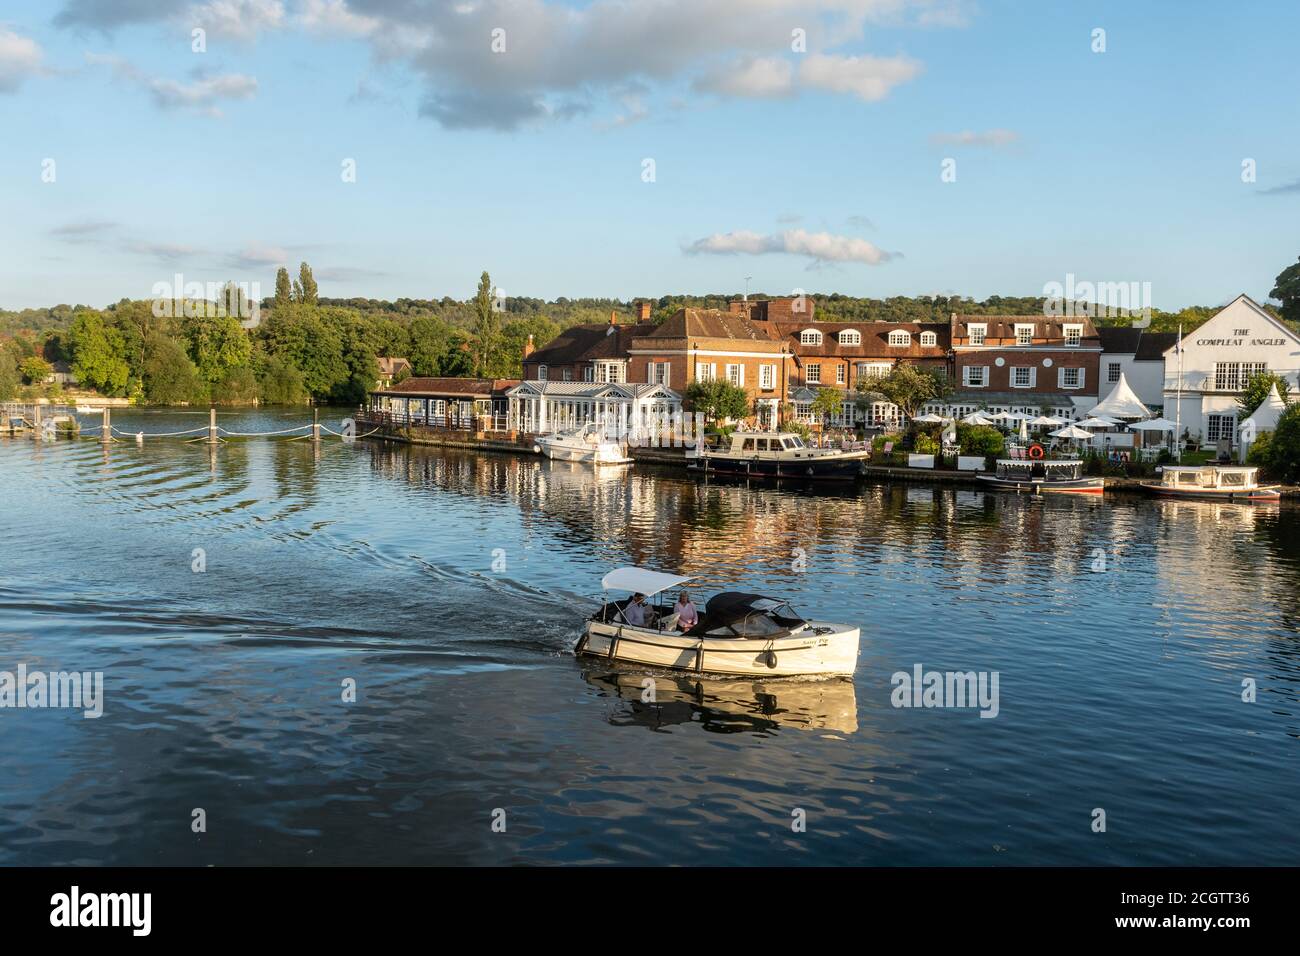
<point x="1035" y="452"/>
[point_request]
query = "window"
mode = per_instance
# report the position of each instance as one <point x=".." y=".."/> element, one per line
<point x="609" y="372"/>
<point x="1112" y="372"/>
<point x="1024" y="333"/>
<point x="767" y="377"/>
<point x="900" y="339"/>
<point x="1073" y="335"/>
<point x="659" y="373"/>
<point x="873" y="369"/>
<point x="841" y="372"/>
<point x="736" y="374"/>
<point x="810" y="337"/>
<point x="850" y="337"/>
<point x="1070" y="378"/>
<point x="977" y="332"/>
<point x="1219" y="427"/>
<point x="748" y="445"/>
<point x="567" y="374"/>
<point x="541" y="373"/>
<point x="1022" y="377"/>
<point x="705" y="371"/>
<point x="929" y="339"/>
<point x="589" y="373"/>
<point x="975" y="376"/>
<point x="814" y="374"/>
<point x="1233" y="376"/>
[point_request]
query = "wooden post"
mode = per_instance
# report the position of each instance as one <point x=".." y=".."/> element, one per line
<point x="36" y="420"/>
<point x="315" y="424"/>
<point x="106" y="428"/>
<point x="212" y="425"/>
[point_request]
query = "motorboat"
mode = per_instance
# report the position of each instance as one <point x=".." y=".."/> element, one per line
<point x="737" y="633"/>
<point x="1042" y="476"/>
<point x="776" y="455"/>
<point x="1218" y="482"/>
<point x="589" y="444"/>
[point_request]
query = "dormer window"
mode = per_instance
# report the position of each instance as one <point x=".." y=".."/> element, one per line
<point x="1073" y="335"/>
<point x="977" y="332"/>
<point x="850" y="337"/>
<point x="810" y="337"/>
<point x="1025" y="333"/>
<point x="900" y="339"/>
<point x="929" y="338"/>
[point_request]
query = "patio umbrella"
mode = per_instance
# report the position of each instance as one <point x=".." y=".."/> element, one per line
<point x="930" y="419"/>
<point x="975" y="418"/>
<point x="1024" y="429"/>
<point x="1155" y="425"/>
<point x="1096" y="423"/>
<point x="1046" y="421"/>
<point x="1072" y="432"/>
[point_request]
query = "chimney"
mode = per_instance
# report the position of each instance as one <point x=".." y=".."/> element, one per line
<point x="736" y="308"/>
<point x="528" y="348"/>
<point x="643" y="311"/>
<point x="613" y="317"/>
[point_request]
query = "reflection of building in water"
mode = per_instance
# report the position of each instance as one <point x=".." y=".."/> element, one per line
<point x="729" y="706"/>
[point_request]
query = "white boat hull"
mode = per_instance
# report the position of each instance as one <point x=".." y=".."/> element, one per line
<point x="598" y="453"/>
<point x="820" y="648"/>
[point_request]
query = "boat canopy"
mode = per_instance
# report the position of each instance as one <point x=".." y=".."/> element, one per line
<point x="746" y="615"/>
<point x="641" y="580"/>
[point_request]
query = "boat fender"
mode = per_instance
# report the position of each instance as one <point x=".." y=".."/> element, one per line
<point x="810" y="469"/>
<point x="771" y="659"/>
<point x="582" y="645"/>
<point x="613" y="642"/>
<point x="537" y="449"/>
<point x="1035" y="451"/>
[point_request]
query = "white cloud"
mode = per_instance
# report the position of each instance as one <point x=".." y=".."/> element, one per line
<point x="334" y="18"/>
<point x="202" y="93"/>
<point x="20" y="57"/>
<point x="238" y="19"/>
<point x="992" y="137"/>
<point x="820" y="247"/>
<point x="753" y="77"/>
<point x="869" y="78"/>
<point x="258" y="254"/>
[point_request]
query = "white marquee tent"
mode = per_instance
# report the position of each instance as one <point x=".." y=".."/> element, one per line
<point x="1262" y="419"/>
<point x="1122" y="403"/>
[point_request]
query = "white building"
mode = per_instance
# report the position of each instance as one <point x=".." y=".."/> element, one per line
<point x="1136" y="355"/>
<point x="1217" y="361"/>
<point x="541" y="407"/>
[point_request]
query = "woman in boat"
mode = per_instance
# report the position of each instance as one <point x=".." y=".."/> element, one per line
<point x="687" y="615"/>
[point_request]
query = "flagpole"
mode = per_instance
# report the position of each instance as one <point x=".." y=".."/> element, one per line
<point x="1178" y="402"/>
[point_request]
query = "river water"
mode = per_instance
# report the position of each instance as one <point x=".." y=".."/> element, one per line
<point x="451" y="586"/>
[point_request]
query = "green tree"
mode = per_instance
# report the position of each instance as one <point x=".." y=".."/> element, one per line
<point x="826" y="404"/>
<point x="35" y="370"/>
<point x="217" y="345"/>
<point x="980" y="440"/>
<point x="9" y="377"/>
<point x="1256" y="390"/>
<point x="306" y="285"/>
<point x="909" y="387"/>
<point x="716" y="399"/>
<point x="280" y="383"/>
<point x="1286" y="289"/>
<point x="283" y="290"/>
<point x="168" y="376"/>
<point x="487" y="326"/>
<point x="98" y="354"/>
<point x="238" y="386"/>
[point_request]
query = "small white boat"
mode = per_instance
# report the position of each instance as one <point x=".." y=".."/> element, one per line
<point x="737" y="633"/>
<point x="1215" y="482"/>
<point x="89" y="409"/>
<point x="777" y="455"/>
<point x="1042" y="476"/>
<point x="588" y="444"/>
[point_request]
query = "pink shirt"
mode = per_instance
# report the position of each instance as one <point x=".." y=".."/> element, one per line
<point x="686" y="614"/>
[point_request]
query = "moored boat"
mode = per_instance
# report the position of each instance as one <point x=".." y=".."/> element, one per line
<point x="1042" y="476"/>
<point x="737" y="633"/>
<point x="776" y="455"/>
<point x="1213" y="482"/>
<point x="588" y="444"/>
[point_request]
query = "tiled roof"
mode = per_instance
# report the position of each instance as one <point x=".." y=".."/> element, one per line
<point x="439" y="387"/>
<point x="1004" y="326"/>
<point x="714" y="324"/>
<point x="1153" y="345"/>
<point x="583" y="343"/>
<point x="391" y="364"/>
<point x="875" y="339"/>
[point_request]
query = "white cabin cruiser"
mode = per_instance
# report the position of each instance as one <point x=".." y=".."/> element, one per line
<point x="1215" y="482"/>
<point x="737" y="633"/>
<point x="776" y="455"/>
<point x="588" y="444"/>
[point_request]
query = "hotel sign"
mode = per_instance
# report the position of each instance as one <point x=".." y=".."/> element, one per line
<point x="1241" y="337"/>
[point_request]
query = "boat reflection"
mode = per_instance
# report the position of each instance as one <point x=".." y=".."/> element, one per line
<point x="727" y="706"/>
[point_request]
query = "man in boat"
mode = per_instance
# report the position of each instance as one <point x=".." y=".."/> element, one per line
<point x="634" y="611"/>
<point x="687" y="615"/>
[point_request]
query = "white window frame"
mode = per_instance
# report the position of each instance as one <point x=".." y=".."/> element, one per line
<point x="841" y="373"/>
<point x="977" y="333"/>
<point x="767" y="377"/>
<point x="1024" y="333"/>
<point x="965" y="376"/>
<point x="1113" y="371"/>
<point x="850" y="337"/>
<point x="739" y="377"/>
<point x="566" y="374"/>
<point x="813" y="373"/>
<point x="810" y="337"/>
<point x="1074" y="331"/>
<point x="899" y="339"/>
<point x="541" y="373"/>
<point x="1033" y="376"/>
<point x="1060" y="377"/>
<point x="706" y="371"/>
<point x="929" y="339"/>
<point x="589" y="373"/>
<point x="658" y="369"/>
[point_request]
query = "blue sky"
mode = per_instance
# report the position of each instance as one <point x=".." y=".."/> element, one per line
<point x="817" y="169"/>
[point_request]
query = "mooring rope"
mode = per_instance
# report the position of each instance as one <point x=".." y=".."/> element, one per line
<point x="285" y="431"/>
<point x="122" y="431"/>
